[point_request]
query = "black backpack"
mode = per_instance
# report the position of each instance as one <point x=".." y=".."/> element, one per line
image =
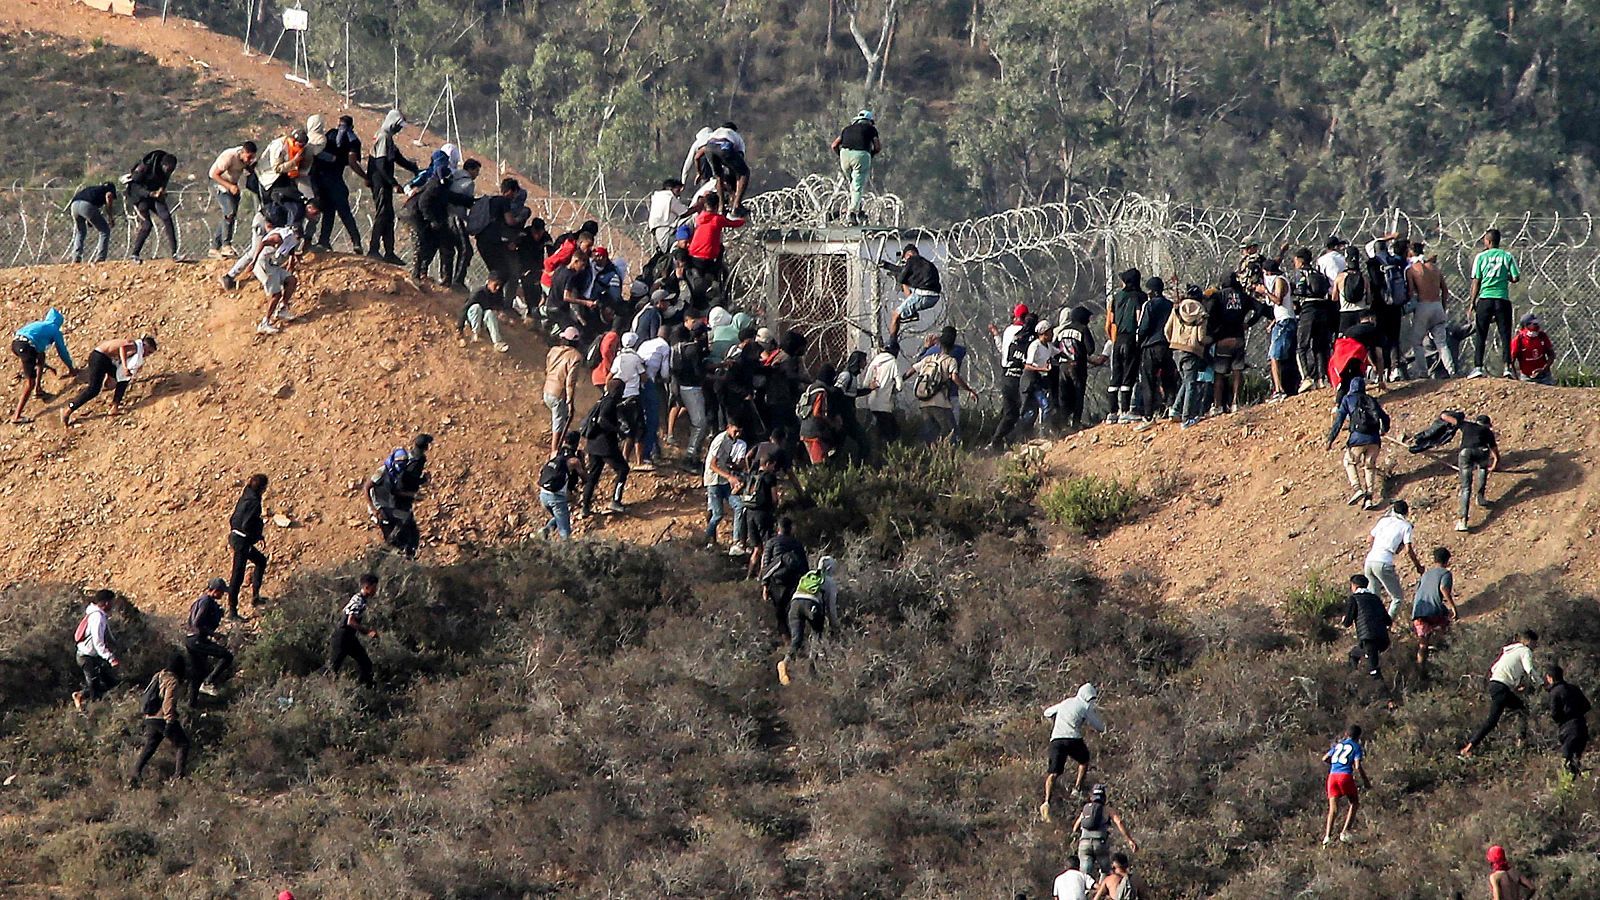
<point x="555" y="474"/>
<point x="1310" y="284"/>
<point x="1016" y="355"/>
<point x="789" y="566"/>
<point x="151" y="705"/>
<point x="1094" y="816"/>
<point x="1367" y="417"/>
<point x="686" y="360"/>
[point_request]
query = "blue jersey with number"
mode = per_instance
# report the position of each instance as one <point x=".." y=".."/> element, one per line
<point x="1342" y="757"/>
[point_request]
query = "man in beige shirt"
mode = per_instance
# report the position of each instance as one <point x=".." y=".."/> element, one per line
<point x="561" y="384"/>
<point x="1429" y="289"/>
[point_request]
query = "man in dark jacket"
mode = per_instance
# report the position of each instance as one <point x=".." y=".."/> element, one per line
<point x="205" y="614"/>
<point x="147" y="191"/>
<point x="1122" y="327"/>
<point x="1156" y="372"/>
<point x="246" y="529"/>
<point x="429" y="211"/>
<point x="1231" y="315"/>
<point x="1367" y="613"/>
<point x="603" y="432"/>
<point x="341" y="151"/>
<point x="1569" y="708"/>
<point x="380" y="177"/>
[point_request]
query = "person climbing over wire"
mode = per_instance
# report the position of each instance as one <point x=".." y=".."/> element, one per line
<point x="920" y="287"/>
<point x="815" y="604"/>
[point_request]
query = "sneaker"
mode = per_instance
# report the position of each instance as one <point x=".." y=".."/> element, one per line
<point x="136" y="260"/>
<point x="285" y="315"/>
<point x="1125" y="419"/>
<point x="1461" y="524"/>
<point x="1396" y="375"/>
<point x="1372" y="503"/>
<point x="214" y="253"/>
<point x="230" y="283"/>
<point x="1348" y="838"/>
<point x="1327" y="841"/>
<point x="1277" y="397"/>
<point x="265" y="327"/>
<point x="1373" y="674"/>
<point x="1044" y="812"/>
<point x="502" y="348"/>
<point x="229" y="251"/>
<point x="393" y="260"/>
<point x="1507" y="373"/>
<point x="616" y="507"/>
<point x="738" y="550"/>
<point x="210" y="690"/>
<point x="1355" y="498"/>
<point x="1190" y="423"/>
<point x="77" y="700"/>
<point x="783" y="671"/>
<point x="1111" y="418"/>
<point x="646" y="466"/>
<point x="1477" y="372"/>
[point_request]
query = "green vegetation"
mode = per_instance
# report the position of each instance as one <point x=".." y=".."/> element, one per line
<point x="593" y="720"/>
<point x="1088" y="503"/>
<point x="1308" y="607"/>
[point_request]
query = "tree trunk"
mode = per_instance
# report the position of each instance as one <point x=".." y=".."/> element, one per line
<point x="874" y="52"/>
<point x="833" y="25"/>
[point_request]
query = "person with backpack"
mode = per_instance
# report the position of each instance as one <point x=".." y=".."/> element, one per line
<point x="1353" y="291"/>
<point x="31" y="345"/>
<point x="482" y="310"/>
<point x="115" y="361"/>
<point x="385" y="156"/>
<point x="93" y="206"/>
<point x="819" y="424"/>
<point x="160" y="709"/>
<point x="559" y="476"/>
<point x="883" y="384"/>
<point x="1365" y="611"/>
<point x="1318" y="317"/>
<point x="1569" y="709"/>
<point x="1069" y="718"/>
<point x="1386" y="264"/>
<point x="935" y="376"/>
<point x="779" y="558"/>
<point x="687" y="361"/>
<point x="1511" y="673"/>
<point x="657" y="355"/>
<point x="1075" y="350"/>
<point x="1038" y="368"/>
<point x="604" y="429"/>
<point x="1369" y="422"/>
<point x="147" y="192"/>
<point x="1433" y="609"/>
<point x="814" y="604"/>
<point x="1122" y="328"/>
<point x="95" y="645"/>
<point x="1094" y="824"/>
<point x="462" y="194"/>
<point x="200" y="642"/>
<point x="1494" y="271"/>
<point x="1013" y="363"/>
<point x="345" y="641"/>
<point x="1188" y="335"/>
<point x="1344" y="761"/>
<point x="1071" y="884"/>
<point x="1532" y="352"/>
<point x="246" y="528"/>
<point x="1392" y="532"/>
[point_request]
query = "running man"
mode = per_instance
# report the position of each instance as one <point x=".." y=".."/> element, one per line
<point x="344" y="642"/>
<point x="1344" y="763"/>
<point x="1512" y="672"/>
<point x="1365" y="611"/>
<point x="815" y="604"/>
<point x="1506" y="883"/>
<point x="1070" y="717"/>
<point x="116" y="361"/>
<point x="1569" y="709"/>
<point x="31" y="344"/>
<point x="1433" y="609"/>
<point x="1094" y="825"/>
<point x="161" y="719"/>
<point x="200" y="640"/>
<point x="1493" y="272"/>
<point x="1368" y="423"/>
<point x="1480" y="455"/>
<point x="1392" y="532"/>
<point x="94" y="644"/>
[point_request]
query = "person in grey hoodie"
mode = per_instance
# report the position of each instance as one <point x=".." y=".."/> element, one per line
<point x="380" y="177"/>
<point x="1155" y="355"/>
<point x="1070" y="716"/>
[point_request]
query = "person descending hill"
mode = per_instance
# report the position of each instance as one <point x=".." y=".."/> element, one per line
<point x="1094" y="826"/>
<point x="245" y="530"/>
<point x="1480" y="455"/>
<point x="1569" y="709"/>
<point x="274" y="268"/>
<point x="392" y="494"/>
<point x="1368" y="424"/>
<point x="1512" y="672"/>
<point x="97" y="656"/>
<point x="557" y="479"/>
<point x="1392" y="532"/>
<point x="345" y="641"/>
<point x="815" y="604"/>
<point x="1365" y="611"/>
<point x="200" y="641"/>
<point x="1070" y="717"/>
<point x="1344" y="763"/>
<point x="147" y="191"/>
<point x="160" y="707"/>
<point x="31" y="344"/>
<point x="604" y="429"/>
<point x="115" y="361"/>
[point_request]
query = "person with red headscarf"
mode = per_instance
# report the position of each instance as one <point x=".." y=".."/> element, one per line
<point x="1506" y="883"/>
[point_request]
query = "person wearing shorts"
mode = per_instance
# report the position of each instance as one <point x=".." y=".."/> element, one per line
<point x="919" y="283"/>
<point x="30" y="345"/>
<point x="1069" y="718"/>
<point x="1344" y="763"/>
<point x="1433" y="609"/>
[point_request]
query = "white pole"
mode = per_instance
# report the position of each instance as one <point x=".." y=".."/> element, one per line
<point x="499" y="164"/>
<point x="347" y="65"/>
<point x="249" y="15"/>
<point x="396" y="76"/>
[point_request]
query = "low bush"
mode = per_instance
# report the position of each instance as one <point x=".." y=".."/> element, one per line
<point x="1088" y="503"/>
<point x="1308" y="608"/>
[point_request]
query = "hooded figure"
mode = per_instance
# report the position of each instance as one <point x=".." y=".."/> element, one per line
<point x="814" y="605"/>
<point x="46" y="333"/>
<point x="1187" y="328"/>
<point x="383" y="143"/>
<point x="1070" y="716"/>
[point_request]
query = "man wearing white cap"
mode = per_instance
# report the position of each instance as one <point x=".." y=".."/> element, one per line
<point x="856" y="145"/>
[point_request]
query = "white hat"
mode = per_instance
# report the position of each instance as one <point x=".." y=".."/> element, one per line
<point x="630" y="340"/>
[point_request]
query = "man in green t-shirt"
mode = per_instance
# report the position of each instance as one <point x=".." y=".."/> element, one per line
<point x="1493" y="272"/>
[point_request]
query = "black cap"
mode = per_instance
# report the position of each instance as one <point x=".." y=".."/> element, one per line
<point x="423" y="441"/>
<point x="1335" y="242"/>
<point x="1154" y="285"/>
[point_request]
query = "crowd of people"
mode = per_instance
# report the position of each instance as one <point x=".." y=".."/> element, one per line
<point x="671" y="353"/>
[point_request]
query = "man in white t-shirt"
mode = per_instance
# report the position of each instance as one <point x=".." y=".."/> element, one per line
<point x="1072" y="884"/>
<point x="656" y="353"/>
<point x="1392" y="532"/>
<point x="665" y="211"/>
<point x="1274" y="291"/>
<point x="629" y="366"/>
<point x="1333" y="262"/>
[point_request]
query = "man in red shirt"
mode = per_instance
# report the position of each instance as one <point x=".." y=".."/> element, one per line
<point x="1532" y="352"/>
<point x="705" y="247"/>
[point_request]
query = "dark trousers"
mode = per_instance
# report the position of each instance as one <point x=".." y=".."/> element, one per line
<point x="381" y="241"/>
<point x="1069" y="396"/>
<point x="803" y="613"/>
<point x="1124" y="374"/>
<point x="98" y="676"/>
<point x="463" y="251"/>
<point x="1010" y="410"/>
<point x="400" y="531"/>
<point x="1390" y="320"/>
<point x="101" y="369"/>
<point x="344" y="644"/>
<point x="156" y="730"/>
<point x="244" y="553"/>
<point x="597" y="465"/>
<point x="333" y="198"/>
<point x="428" y="241"/>
<point x="1318" y="322"/>
<point x="1501" y="699"/>
<point x="1574" y="737"/>
<point x="153" y="206"/>
<point x="888" y="426"/>
<point x="779" y="590"/>
<point x="1372" y="649"/>
<point x="1158" y="377"/>
<point x="201" y="649"/>
<point x="1496" y="312"/>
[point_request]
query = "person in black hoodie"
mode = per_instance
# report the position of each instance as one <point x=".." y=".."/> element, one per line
<point x="1122" y="326"/>
<point x="246" y="528"/>
<point x="1569" y="708"/>
<point x="603" y="432"/>
<point x="381" y="164"/>
<point x="1231" y="315"/>
<point x="1156" y="371"/>
<point x="429" y="212"/>
<point x="341" y="151"/>
<point x="200" y="640"/>
<point x="1072" y="381"/>
<point x="147" y="191"/>
<point x="1365" y="611"/>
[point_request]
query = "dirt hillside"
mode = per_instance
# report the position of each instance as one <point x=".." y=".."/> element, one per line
<point x="140" y="502"/>
<point x="1244" y="507"/>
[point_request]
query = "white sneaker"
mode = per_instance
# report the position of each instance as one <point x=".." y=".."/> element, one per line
<point x="210" y="690"/>
<point x="502" y="347"/>
<point x="1396" y="375"/>
<point x="1461" y="524"/>
<point x="230" y="251"/>
<point x="265" y="327"/>
<point x="1477" y="372"/>
<point x="1507" y="373"/>
<point x="738" y="550"/>
<point x="286" y="315"/>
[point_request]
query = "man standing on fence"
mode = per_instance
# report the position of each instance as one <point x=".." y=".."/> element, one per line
<point x="855" y="146"/>
<point x="1493" y="272"/>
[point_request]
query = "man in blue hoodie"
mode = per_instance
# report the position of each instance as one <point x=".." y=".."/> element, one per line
<point x="31" y="344"/>
<point x="1368" y="424"/>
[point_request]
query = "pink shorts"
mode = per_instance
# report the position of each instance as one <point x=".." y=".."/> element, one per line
<point x="1428" y="626"/>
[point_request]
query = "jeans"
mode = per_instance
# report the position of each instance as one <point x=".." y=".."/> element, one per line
<point x="650" y="405"/>
<point x="98" y="676"/>
<point x="85" y="214"/>
<point x="1432" y="324"/>
<point x="741" y="529"/>
<point x="1094" y="856"/>
<point x="938" y="423"/>
<point x="1474" y="467"/>
<point x="1496" y="312"/>
<point x="1501" y="699"/>
<point x="478" y="317"/>
<point x="857" y="168"/>
<point x="1190" y="391"/>
<point x="1385" y="579"/>
<point x="228" y="202"/>
<point x="202" y="648"/>
<point x="717" y="495"/>
<point x="694" y="403"/>
<point x="560" y="513"/>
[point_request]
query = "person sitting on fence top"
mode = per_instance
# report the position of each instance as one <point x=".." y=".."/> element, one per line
<point x="919" y="283"/>
<point x="725" y="150"/>
<point x="1532" y="352"/>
